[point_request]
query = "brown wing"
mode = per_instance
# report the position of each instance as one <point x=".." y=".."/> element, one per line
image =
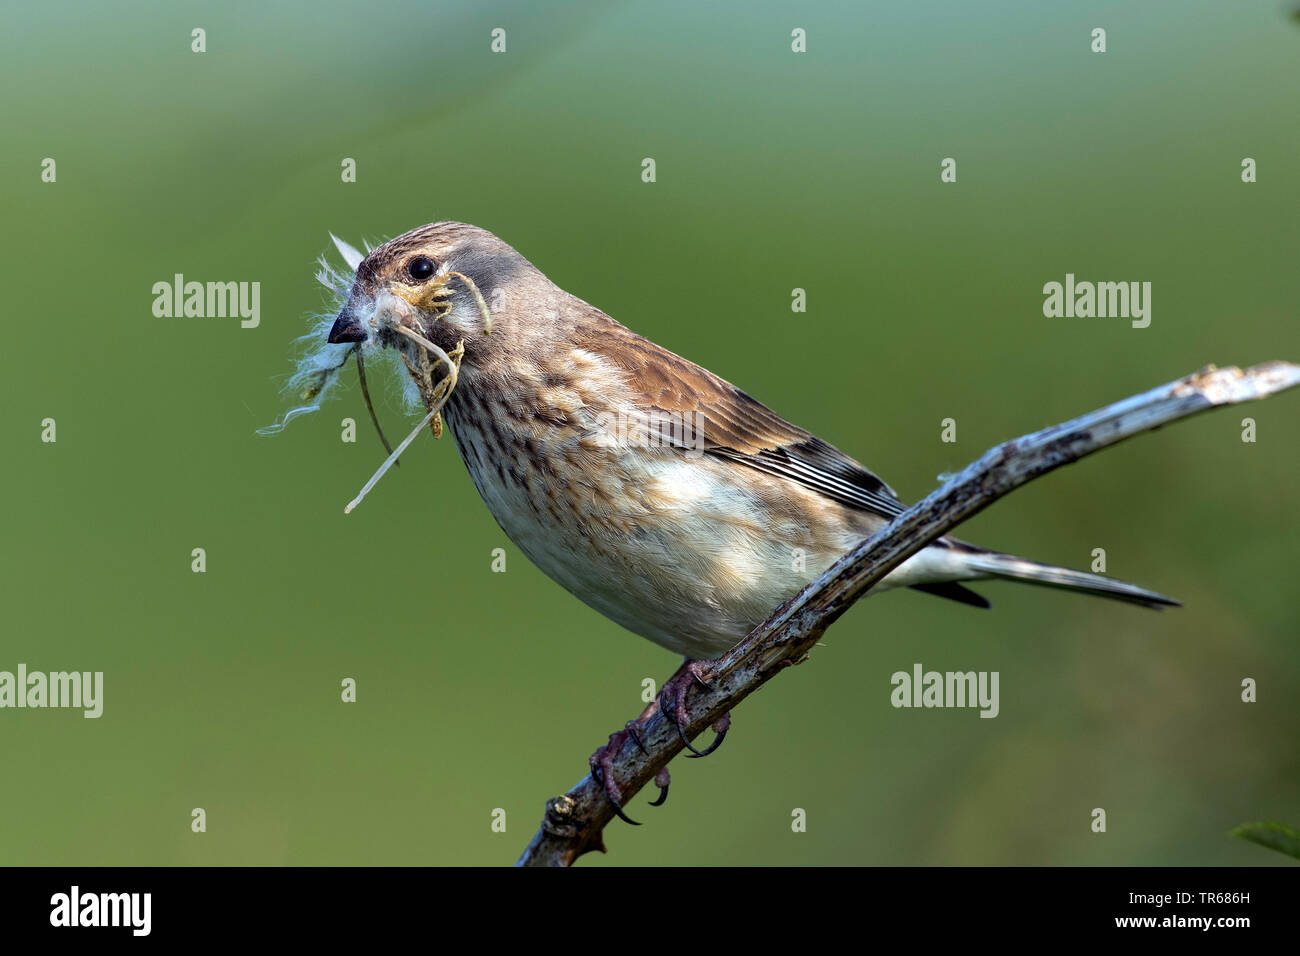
<point x="736" y="426"/>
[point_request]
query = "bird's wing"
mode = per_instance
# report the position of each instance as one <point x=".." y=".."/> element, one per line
<point x="722" y="420"/>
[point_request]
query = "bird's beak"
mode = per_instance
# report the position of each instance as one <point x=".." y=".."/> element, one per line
<point x="346" y="328"/>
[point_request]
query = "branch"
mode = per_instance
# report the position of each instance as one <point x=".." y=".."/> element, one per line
<point x="575" y="820"/>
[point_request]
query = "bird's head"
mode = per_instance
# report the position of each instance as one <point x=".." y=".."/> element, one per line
<point x="432" y="289"/>
<point x="444" y="282"/>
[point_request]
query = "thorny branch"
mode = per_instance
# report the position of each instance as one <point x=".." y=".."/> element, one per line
<point x="573" y="822"/>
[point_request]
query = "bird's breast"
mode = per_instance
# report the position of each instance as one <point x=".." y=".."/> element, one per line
<point x="688" y="550"/>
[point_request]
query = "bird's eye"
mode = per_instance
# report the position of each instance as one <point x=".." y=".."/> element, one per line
<point x="421" y="268"/>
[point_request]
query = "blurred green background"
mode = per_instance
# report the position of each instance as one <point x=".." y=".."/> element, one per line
<point x="775" y="170"/>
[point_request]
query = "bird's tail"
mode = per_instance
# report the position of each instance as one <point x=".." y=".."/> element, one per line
<point x="997" y="565"/>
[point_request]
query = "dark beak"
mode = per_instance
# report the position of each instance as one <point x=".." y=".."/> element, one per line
<point x="346" y="329"/>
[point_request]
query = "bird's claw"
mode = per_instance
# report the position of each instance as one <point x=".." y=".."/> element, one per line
<point x="661" y="781"/>
<point x="672" y="704"/>
<point x="630" y="729"/>
<point x="602" y="771"/>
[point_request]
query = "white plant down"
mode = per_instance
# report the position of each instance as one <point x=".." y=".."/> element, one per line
<point x="317" y="367"/>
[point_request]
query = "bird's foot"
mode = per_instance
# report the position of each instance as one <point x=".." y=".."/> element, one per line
<point x="602" y="765"/>
<point x="672" y="702"/>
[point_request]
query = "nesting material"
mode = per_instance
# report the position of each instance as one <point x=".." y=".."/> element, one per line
<point x="406" y="312"/>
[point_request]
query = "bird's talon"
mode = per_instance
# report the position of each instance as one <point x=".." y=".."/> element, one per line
<point x="672" y="702"/>
<point x="630" y="729"/>
<point x="686" y="743"/>
<point x="662" y="780"/>
<point x="601" y="764"/>
<point x="720" y="727"/>
<point x="618" y="809"/>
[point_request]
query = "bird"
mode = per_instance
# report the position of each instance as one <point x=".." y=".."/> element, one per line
<point x="651" y="489"/>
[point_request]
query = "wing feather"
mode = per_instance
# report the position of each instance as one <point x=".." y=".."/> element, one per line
<point x="734" y="425"/>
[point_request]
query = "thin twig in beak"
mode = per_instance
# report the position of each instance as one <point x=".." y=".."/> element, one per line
<point x="420" y="340"/>
<point x="365" y="393"/>
<point x="392" y="459"/>
<point x="438" y="398"/>
<point x="478" y="300"/>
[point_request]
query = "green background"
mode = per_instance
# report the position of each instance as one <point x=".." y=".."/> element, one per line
<point x="775" y="170"/>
